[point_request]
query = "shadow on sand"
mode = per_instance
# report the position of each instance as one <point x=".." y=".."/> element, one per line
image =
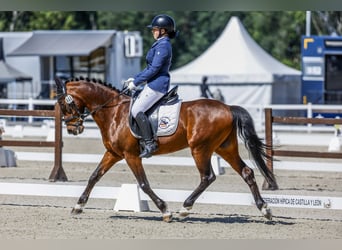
<point x="215" y="218"/>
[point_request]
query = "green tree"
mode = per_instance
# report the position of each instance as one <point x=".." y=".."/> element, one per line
<point x="326" y="22"/>
<point x="47" y="20"/>
<point x="278" y="33"/>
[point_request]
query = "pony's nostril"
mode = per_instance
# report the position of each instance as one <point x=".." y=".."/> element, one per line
<point x="80" y="129"/>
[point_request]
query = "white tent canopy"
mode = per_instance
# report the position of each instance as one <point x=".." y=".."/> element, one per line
<point x="235" y="61"/>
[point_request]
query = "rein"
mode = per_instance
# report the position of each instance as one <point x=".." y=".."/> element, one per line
<point x="85" y="114"/>
<point x="69" y="100"/>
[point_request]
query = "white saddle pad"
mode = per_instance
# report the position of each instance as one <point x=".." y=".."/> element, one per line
<point x="168" y="116"/>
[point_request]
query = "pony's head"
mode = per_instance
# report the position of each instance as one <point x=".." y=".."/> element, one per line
<point x="72" y="109"/>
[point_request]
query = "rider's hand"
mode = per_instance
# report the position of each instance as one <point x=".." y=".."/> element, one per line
<point x="130" y="83"/>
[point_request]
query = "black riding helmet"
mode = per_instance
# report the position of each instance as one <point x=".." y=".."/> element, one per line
<point x="164" y="22"/>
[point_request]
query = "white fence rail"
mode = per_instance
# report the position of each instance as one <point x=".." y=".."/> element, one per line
<point x="29" y="102"/>
<point x="257" y="111"/>
<point x="217" y="163"/>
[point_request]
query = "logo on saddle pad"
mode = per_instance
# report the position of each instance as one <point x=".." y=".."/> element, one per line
<point x="164" y="122"/>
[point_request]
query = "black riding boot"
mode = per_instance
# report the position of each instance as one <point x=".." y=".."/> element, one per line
<point x="147" y="140"/>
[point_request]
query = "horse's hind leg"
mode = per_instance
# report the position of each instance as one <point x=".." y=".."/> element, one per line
<point x="248" y="176"/>
<point x="231" y="155"/>
<point x="203" y="163"/>
<point x="108" y="160"/>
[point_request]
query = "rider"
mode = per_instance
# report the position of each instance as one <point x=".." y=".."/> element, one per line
<point x="156" y="78"/>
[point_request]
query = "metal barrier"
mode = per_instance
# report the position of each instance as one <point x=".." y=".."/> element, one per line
<point x="57" y="173"/>
<point x="271" y="152"/>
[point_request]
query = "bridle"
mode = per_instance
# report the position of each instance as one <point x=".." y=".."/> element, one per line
<point x="79" y="117"/>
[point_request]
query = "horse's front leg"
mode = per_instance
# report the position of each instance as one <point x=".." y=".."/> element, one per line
<point x="137" y="168"/>
<point x="108" y="160"/>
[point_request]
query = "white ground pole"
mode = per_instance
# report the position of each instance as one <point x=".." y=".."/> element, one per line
<point x="129" y="197"/>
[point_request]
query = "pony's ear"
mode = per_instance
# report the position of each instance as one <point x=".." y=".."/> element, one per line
<point x="60" y="86"/>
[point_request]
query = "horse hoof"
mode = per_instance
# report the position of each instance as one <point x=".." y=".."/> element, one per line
<point x="184" y="211"/>
<point x="77" y="210"/>
<point x="266" y="212"/>
<point x="167" y="217"/>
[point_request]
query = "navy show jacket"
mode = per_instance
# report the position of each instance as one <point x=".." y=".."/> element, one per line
<point x="158" y="60"/>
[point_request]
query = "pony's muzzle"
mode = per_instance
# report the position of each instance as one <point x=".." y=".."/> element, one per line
<point x="75" y="130"/>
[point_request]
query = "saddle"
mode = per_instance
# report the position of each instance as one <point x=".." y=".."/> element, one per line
<point x="163" y="115"/>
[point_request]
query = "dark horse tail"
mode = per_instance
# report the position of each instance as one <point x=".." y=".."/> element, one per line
<point x="244" y="122"/>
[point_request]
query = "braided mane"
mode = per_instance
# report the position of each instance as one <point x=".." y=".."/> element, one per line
<point x="93" y="80"/>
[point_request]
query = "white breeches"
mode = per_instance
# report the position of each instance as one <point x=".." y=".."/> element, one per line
<point x="145" y="100"/>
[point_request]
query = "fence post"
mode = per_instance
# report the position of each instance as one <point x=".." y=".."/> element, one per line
<point x="309" y="115"/>
<point x="57" y="173"/>
<point x="269" y="143"/>
<point x="30" y="107"/>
